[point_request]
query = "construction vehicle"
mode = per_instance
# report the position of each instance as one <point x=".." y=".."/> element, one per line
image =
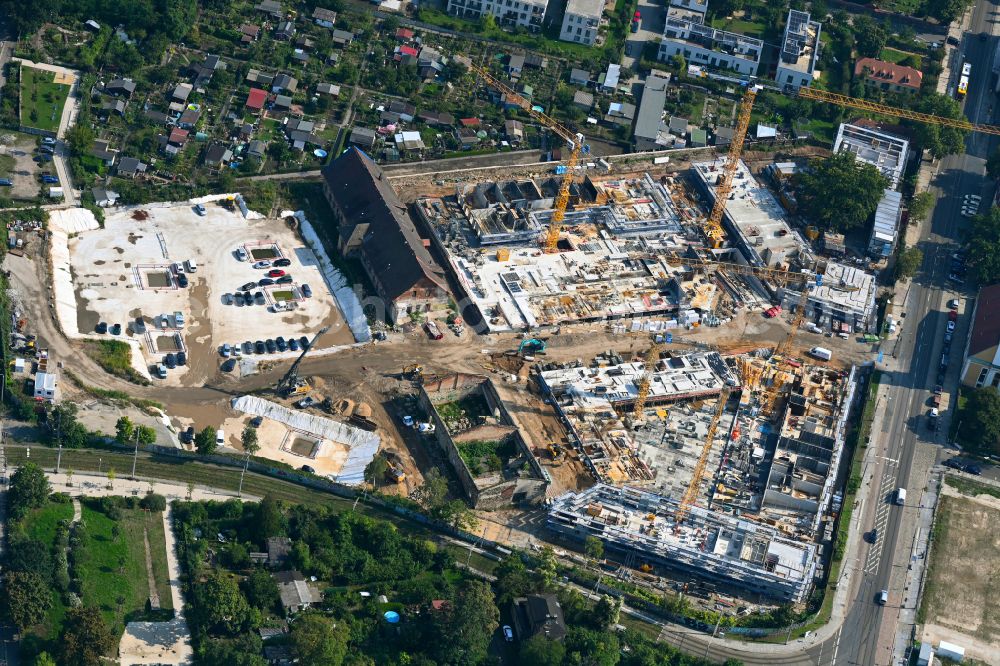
<point x="289" y="384"/>
<point x="531" y="346"/>
<point x="394" y="474"/>
<point x="574" y="140"/>
<point x="556" y="452"/>
<point x="413" y="372"/>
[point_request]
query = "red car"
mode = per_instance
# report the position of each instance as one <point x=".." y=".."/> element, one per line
<point x="773" y="312"/>
<point x="275" y="273"/>
<point x="953" y="315"/>
<point x="637" y="16"/>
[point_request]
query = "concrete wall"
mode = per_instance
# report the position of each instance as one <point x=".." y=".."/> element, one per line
<point x="489" y="491"/>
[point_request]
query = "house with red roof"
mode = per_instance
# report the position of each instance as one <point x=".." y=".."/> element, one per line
<point x="469" y="122"/>
<point x="888" y="76"/>
<point x="981" y="366"/>
<point x="178" y="136"/>
<point x="406" y="54"/>
<point x="404" y="34"/>
<point x="256" y="99"/>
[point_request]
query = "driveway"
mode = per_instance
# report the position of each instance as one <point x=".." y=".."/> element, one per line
<point x="654" y="17"/>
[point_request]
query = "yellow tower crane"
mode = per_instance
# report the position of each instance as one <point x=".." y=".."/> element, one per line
<point x="713" y="226"/>
<point x="649" y="367"/>
<point x="691" y="494"/>
<point x="574" y="141"/>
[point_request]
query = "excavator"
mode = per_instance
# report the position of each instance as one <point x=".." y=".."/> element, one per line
<point x="531" y="346"/>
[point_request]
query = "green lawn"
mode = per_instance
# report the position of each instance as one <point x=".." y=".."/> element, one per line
<point x="115" y="566"/>
<point x="894" y="55"/>
<point x="748" y="28"/>
<point x="7" y="163"/>
<point x="41" y="524"/>
<point x="42" y="100"/>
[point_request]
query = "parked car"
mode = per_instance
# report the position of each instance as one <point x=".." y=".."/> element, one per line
<point x="247" y="347"/>
<point x="200" y="209"/>
<point x="239" y="300"/>
<point x="187" y="436"/>
<point x="264" y="282"/>
<point x="284" y="279"/>
<point x="275" y="273"/>
<point x="182" y="281"/>
<point x="950" y="326"/>
<point x="307" y="468"/>
<point x="228" y="365"/>
<point x="116" y="329"/>
<point x="227" y="299"/>
<point x="954" y="463"/>
<point x="305" y="402"/>
<point x="225" y="350"/>
<point x="171" y="361"/>
<point x="241" y="254"/>
<point x="304" y="341"/>
<point x="102" y="327"/>
<point x="293" y="344"/>
<point x="182" y="358"/>
<point x="306" y="291"/>
<point x="248" y="286"/>
<point x="259" y="347"/>
<point x="262" y="264"/>
<point x="953" y="304"/>
<point x="282" y="345"/>
<point x="258" y="299"/>
<point x="281" y="262"/>
<point x="48" y="141"/>
<point x="271" y="347"/>
<point x="973" y="469"/>
<point x="508" y="633"/>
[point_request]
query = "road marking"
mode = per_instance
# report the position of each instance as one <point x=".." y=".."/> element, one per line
<point x="836" y="646"/>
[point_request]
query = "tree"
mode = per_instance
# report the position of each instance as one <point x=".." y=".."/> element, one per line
<point x="244" y="650"/>
<point x="223" y="608"/>
<point x="993" y="165"/>
<point x="466" y="629"/>
<point x="839" y="193"/>
<point x="593" y="547"/>
<point x="315" y="639"/>
<point x="540" y="650"/>
<point x="80" y="138"/>
<point x="249" y="439"/>
<point x="938" y="139"/>
<point x="44" y="659"/>
<point x="435" y="489"/>
<point x="983" y="244"/>
<point x="547" y="567"/>
<point x="595" y="648"/>
<point x="124" y="430"/>
<point x="920" y="205"/>
<point x="909" y="262"/>
<point x="870" y="35"/>
<point x="63" y="427"/>
<point x="261" y="591"/>
<point x="112" y="475"/>
<point x="86" y="638"/>
<point x="26" y="598"/>
<point x="147" y="435"/>
<point x="204" y="441"/>
<point x="979" y="430"/>
<point x="270" y="520"/>
<point x="945" y="11"/>
<point x="512" y="579"/>
<point x="679" y="64"/>
<point x="606" y="611"/>
<point x="376" y="470"/>
<point x="29" y="488"/>
<point x="488" y="23"/>
<point x="153" y="502"/>
<point x="29" y="555"/>
<point x="279" y="151"/>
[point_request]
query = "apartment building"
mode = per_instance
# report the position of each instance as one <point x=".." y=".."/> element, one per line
<point x="509" y="13"/>
<point x="685" y="34"/>
<point x="581" y="20"/>
<point x="799" y="51"/>
<point x="888" y="76"/>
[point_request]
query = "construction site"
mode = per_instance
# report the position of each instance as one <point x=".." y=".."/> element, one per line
<point x="723" y="448"/>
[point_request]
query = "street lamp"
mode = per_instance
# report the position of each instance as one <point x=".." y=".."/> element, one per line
<point x="246" y="463"/>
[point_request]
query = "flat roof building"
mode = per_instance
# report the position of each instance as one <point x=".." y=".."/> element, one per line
<point x="799" y="51"/>
<point x="685" y="34"/>
<point x="754" y="219"/>
<point x="886" y="152"/>
<point x="743" y="554"/>
<point x="510" y="14"/>
<point x="650" y="131"/>
<point x="581" y="20"/>
<point x="846" y="297"/>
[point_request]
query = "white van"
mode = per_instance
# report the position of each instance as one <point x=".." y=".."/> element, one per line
<point x="821" y="353"/>
<point x="191" y="265"/>
<point x="900" y="496"/>
<point x="220" y="437"/>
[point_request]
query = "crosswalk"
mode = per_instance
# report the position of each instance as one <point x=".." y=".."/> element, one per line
<point x="886" y="486"/>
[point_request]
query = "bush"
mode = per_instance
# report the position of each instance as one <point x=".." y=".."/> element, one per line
<point x="153" y="502"/>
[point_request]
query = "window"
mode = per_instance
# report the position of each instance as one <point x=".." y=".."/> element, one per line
<point x="996" y="380"/>
<point x="789" y="79"/>
<point x="982" y="377"/>
<point x="576" y="38"/>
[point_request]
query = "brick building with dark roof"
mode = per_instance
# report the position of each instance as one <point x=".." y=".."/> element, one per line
<point x="376" y="228"/>
<point x="888" y="76"/>
<point x="538" y="614"/>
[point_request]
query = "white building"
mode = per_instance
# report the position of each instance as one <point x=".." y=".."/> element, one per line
<point x="685" y="34"/>
<point x="886" y="152"/>
<point x="46" y="386"/>
<point x="799" y="51"/>
<point x="581" y="20"/>
<point x="509" y="13"/>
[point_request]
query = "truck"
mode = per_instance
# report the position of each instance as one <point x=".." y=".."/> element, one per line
<point x="901" y="496"/>
<point x="822" y="353"/>
<point x="433" y="331"/>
